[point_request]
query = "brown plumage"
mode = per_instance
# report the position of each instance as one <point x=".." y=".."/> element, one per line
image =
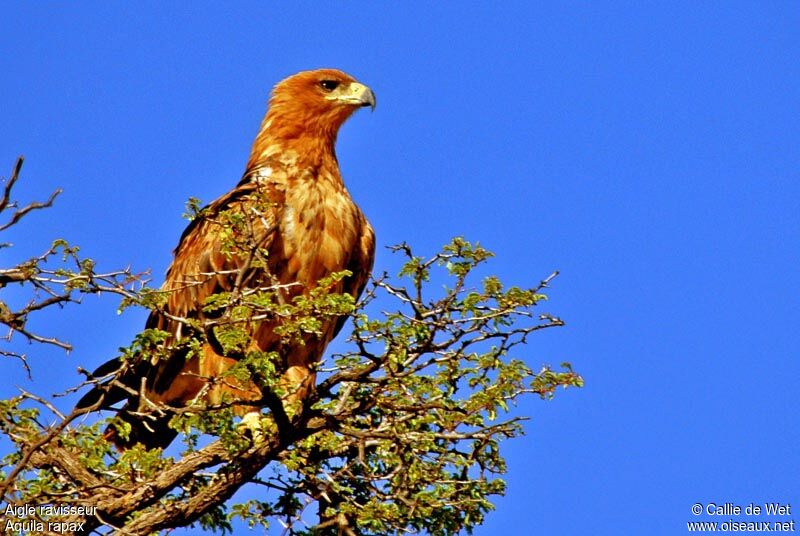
<point x="300" y="214"/>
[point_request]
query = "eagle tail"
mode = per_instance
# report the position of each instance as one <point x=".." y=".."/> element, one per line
<point x="151" y="431"/>
<point x="105" y="393"/>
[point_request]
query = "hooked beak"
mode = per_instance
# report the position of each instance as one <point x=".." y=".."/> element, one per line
<point x="358" y="95"/>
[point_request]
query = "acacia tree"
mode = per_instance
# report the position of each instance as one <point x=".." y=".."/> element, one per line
<point x="402" y="433"/>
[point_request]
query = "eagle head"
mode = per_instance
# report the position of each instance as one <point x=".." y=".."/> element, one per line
<point x="314" y="104"/>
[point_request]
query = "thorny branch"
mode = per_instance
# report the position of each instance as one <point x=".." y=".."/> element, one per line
<point x="57" y="277"/>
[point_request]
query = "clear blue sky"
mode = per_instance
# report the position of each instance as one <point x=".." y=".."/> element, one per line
<point x="650" y="153"/>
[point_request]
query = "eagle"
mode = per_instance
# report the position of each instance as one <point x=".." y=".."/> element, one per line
<point x="304" y="225"/>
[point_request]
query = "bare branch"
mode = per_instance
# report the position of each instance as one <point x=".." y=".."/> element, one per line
<point x="6" y="202"/>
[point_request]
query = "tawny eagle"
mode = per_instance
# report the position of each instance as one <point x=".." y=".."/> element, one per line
<point x="309" y="228"/>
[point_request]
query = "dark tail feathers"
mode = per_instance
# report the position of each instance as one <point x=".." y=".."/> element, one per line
<point x="152" y="431"/>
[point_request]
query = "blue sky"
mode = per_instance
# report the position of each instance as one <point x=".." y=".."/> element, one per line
<point x="649" y="153"/>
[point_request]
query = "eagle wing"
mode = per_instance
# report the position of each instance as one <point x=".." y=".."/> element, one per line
<point x="360" y="266"/>
<point x="216" y="254"/>
<point x="203" y="265"/>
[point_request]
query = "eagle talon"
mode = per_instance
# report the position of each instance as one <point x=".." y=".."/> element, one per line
<point x="252" y="428"/>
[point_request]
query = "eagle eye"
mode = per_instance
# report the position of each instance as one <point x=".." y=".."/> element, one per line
<point x="329" y="85"/>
